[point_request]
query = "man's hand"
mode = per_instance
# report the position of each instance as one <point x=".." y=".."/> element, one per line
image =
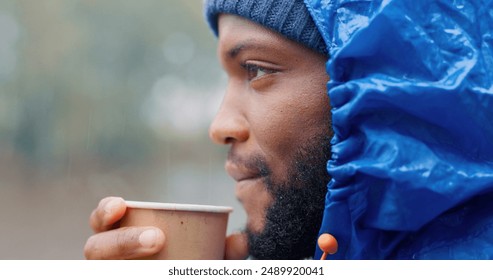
<point x="111" y="242"/>
<point x="236" y="247"/>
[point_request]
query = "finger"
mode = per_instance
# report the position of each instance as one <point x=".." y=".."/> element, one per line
<point x="236" y="247"/>
<point x="109" y="211"/>
<point x="125" y="243"/>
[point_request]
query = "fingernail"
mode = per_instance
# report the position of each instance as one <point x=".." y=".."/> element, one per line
<point x="111" y="205"/>
<point x="148" y="238"/>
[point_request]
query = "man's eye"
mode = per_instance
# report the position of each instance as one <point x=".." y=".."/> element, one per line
<point x="254" y="71"/>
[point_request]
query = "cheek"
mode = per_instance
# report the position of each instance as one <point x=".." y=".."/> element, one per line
<point x="284" y="129"/>
<point x="290" y="122"/>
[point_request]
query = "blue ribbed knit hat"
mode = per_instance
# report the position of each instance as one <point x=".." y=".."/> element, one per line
<point x="288" y="17"/>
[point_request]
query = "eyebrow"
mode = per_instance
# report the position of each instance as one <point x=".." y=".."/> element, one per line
<point x="238" y="48"/>
<point x="233" y="52"/>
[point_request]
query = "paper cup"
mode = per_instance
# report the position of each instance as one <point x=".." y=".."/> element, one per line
<point x="193" y="232"/>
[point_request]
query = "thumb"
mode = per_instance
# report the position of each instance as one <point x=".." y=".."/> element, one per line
<point x="236" y="246"/>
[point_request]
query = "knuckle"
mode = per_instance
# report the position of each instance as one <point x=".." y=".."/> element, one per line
<point x="126" y="242"/>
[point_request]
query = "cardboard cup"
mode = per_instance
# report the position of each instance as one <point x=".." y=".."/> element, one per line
<point x="193" y="232"/>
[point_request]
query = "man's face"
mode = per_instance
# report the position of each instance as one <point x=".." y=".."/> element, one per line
<point x="276" y="118"/>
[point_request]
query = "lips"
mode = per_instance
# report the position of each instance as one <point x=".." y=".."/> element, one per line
<point x="240" y="173"/>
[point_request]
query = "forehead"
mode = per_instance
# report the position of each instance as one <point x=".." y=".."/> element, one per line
<point x="237" y="33"/>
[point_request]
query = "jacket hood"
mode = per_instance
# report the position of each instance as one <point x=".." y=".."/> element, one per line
<point x="412" y="113"/>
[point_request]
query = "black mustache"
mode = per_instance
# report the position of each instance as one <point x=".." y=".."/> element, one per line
<point x="256" y="163"/>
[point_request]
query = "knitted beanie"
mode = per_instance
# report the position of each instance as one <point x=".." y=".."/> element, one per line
<point x="291" y="18"/>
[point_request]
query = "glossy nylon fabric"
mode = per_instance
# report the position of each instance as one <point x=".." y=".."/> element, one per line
<point x="412" y="112"/>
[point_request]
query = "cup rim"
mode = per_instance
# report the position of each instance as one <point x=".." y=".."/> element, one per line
<point x="178" y="206"/>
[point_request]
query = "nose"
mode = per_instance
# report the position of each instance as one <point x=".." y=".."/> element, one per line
<point x="230" y="124"/>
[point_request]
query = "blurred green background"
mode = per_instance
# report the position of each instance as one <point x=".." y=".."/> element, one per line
<point x="100" y="98"/>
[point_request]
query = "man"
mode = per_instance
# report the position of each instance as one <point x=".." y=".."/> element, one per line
<point x="409" y="177"/>
<point x="275" y="117"/>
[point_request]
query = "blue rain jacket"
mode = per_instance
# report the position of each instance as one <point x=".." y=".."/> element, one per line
<point x="412" y="103"/>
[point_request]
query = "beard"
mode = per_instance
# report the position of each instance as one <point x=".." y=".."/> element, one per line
<point x="293" y="220"/>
